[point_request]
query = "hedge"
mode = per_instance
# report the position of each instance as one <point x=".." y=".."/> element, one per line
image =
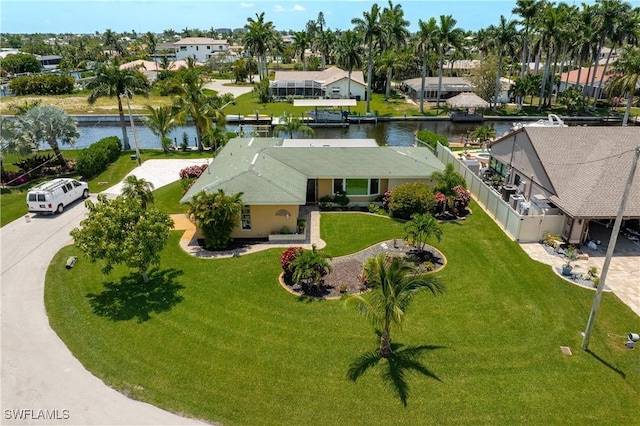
<point x="42" y="84"/>
<point x="95" y="159"/>
<point x="432" y="138"/>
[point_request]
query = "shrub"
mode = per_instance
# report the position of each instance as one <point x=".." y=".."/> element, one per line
<point x="432" y="138"/>
<point x="42" y="84"/>
<point x="193" y="171"/>
<point x="341" y="199"/>
<point x="14" y="178"/>
<point x="461" y="199"/>
<point x="288" y="256"/>
<point x="410" y="198"/>
<point x="95" y="159"/>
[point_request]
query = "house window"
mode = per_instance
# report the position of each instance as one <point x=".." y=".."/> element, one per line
<point x="246" y="218"/>
<point x="356" y="187"/>
<point x="183" y="48"/>
<point x="208" y="47"/>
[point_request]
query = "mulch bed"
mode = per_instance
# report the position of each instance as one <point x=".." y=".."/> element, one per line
<point x="344" y="276"/>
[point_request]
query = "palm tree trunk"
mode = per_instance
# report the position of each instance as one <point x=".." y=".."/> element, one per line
<point x="440" y="78"/>
<point x="424" y="76"/>
<point x="369" y="71"/>
<point x="627" y="110"/>
<point x="604" y="72"/>
<point x="349" y="84"/>
<point x="388" y="89"/>
<point x="545" y="78"/>
<point x="497" y="91"/>
<point x="385" y="344"/>
<point x="596" y="60"/>
<point x="125" y="138"/>
<point x="53" y="143"/>
<point x="145" y="277"/>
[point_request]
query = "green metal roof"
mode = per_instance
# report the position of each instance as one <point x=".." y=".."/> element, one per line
<point x="268" y="173"/>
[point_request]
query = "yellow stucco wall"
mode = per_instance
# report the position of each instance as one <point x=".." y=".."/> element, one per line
<point x="264" y="221"/>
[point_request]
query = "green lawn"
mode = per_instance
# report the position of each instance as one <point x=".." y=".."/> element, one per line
<point x="221" y="340"/>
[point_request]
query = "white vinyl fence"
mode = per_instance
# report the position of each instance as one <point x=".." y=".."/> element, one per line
<point x="520" y="228"/>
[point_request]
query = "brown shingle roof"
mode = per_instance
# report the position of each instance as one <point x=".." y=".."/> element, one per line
<point x="589" y="167"/>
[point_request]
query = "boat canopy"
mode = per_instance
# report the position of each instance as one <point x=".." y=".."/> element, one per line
<point x="324" y="103"/>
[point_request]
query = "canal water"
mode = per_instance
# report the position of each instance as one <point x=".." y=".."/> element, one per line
<point x="394" y="133"/>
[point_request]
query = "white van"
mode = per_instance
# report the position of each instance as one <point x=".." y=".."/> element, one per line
<point x="54" y="195"/>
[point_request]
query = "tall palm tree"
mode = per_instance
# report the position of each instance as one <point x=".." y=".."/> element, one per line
<point x="111" y="81"/>
<point x="324" y="41"/>
<point x="448" y="37"/>
<point x="625" y="81"/>
<point x="550" y="24"/>
<point x="483" y="134"/>
<point x="161" y="122"/>
<point x="139" y="189"/>
<point x="394" y="285"/>
<point x="427" y="41"/>
<point x="395" y="34"/>
<point x="291" y="125"/>
<point x="300" y="44"/>
<point x="193" y="103"/>
<point x="257" y="38"/>
<point x="152" y="41"/>
<point x="370" y="28"/>
<point x="527" y="9"/>
<point x="503" y="38"/>
<point x="349" y="54"/>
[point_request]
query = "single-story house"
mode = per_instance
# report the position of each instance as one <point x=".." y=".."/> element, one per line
<point x="451" y="86"/>
<point x="582" y="171"/>
<point x="151" y="69"/>
<point x="570" y="79"/>
<point x="277" y="176"/>
<point x="332" y="82"/>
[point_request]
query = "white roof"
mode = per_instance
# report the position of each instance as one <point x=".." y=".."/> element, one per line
<point x="324" y="102"/>
<point x="347" y="143"/>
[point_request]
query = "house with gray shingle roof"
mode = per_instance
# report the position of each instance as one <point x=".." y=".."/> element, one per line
<point x="580" y="170"/>
<point x="277" y="176"/>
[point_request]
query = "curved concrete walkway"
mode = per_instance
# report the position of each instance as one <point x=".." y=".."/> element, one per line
<point x="225" y="86"/>
<point x="38" y="371"/>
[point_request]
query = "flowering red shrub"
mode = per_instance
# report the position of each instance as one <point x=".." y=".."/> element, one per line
<point x="288" y="256"/>
<point x="192" y="171"/>
<point x="15" y="178"/>
<point x="462" y="198"/>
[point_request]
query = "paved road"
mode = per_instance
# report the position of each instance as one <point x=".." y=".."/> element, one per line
<point x="38" y="370"/>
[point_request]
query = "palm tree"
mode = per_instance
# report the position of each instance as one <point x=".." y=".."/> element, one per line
<point x="550" y="24"/>
<point x="139" y="189"/>
<point x="257" y="38"/>
<point x="420" y="228"/>
<point x="192" y="102"/>
<point x="152" y="41"/>
<point x="446" y="181"/>
<point x="349" y="54"/>
<point x="45" y="124"/>
<point x="161" y="122"/>
<point x="291" y="124"/>
<point x="503" y="38"/>
<point x="300" y="45"/>
<point x="310" y="266"/>
<point x="483" y="134"/>
<point x="394" y="285"/>
<point x="111" y="81"/>
<point x="427" y="40"/>
<point x="448" y="36"/>
<point x="216" y="214"/>
<point x="394" y="36"/>
<point x="370" y="28"/>
<point x="527" y="9"/>
<point x="627" y="75"/>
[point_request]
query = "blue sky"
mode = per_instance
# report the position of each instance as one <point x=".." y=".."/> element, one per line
<point x="88" y="16"/>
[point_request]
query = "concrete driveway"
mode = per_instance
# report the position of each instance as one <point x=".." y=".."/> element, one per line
<point x="224" y="86"/>
<point x="38" y="371"/>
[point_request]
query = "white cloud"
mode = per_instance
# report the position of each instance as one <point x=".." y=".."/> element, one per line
<point x="295" y="8"/>
<point x="246" y="4"/>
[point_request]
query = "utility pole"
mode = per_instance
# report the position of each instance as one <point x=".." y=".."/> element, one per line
<point x="612" y="245"/>
<point x="133" y="128"/>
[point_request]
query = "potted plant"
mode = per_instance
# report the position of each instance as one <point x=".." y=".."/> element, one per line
<point x="571" y="255"/>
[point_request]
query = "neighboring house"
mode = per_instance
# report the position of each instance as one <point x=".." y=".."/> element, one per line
<point x="332" y="83"/>
<point x="199" y="48"/>
<point x="49" y="62"/>
<point x="570" y="79"/>
<point x="581" y="171"/>
<point x="277" y="176"/>
<point x="165" y="49"/>
<point x="151" y="69"/>
<point x="451" y="86"/>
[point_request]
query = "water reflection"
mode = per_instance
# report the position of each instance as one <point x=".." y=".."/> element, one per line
<point x="395" y="133"/>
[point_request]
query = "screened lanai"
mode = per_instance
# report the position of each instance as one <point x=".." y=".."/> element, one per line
<point x="451" y="86"/>
<point x="306" y="88"/>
